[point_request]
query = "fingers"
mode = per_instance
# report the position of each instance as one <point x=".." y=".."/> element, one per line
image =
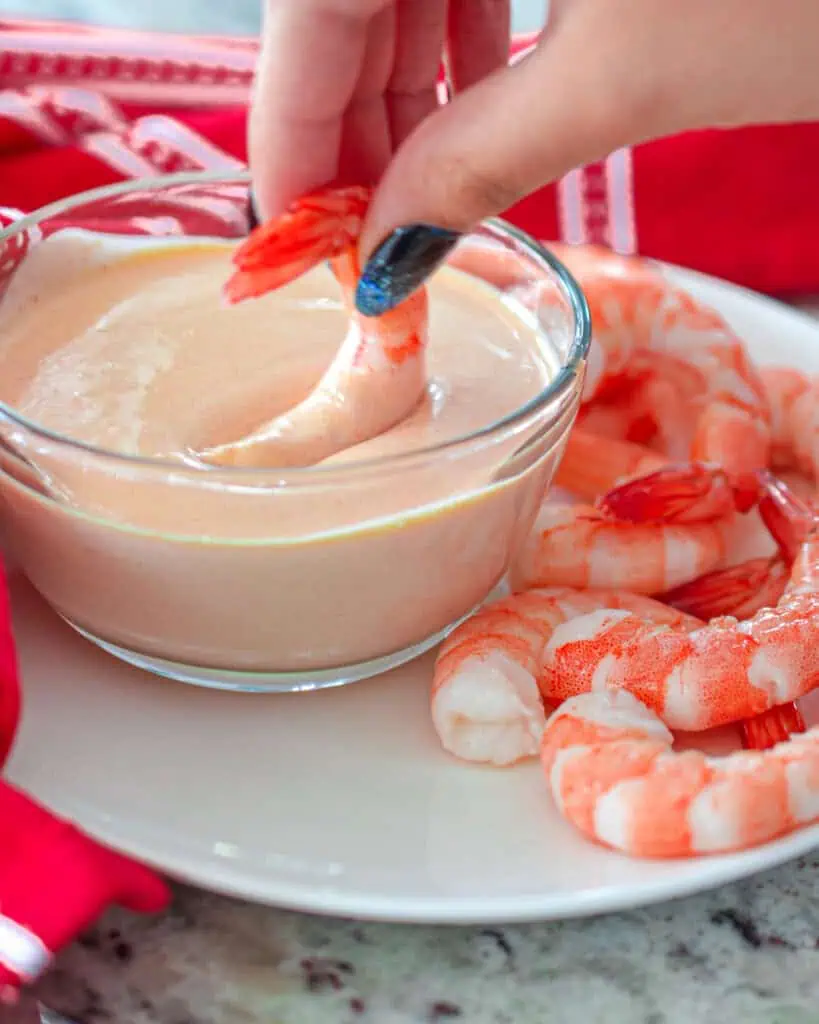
<point x="515" y="130"/>
<point x="366" y="146"/>
<point x="312" y="56"/>
<point x="412" y="90"/>
<point x="478" y="40"/>
<point x="507" y="135"/>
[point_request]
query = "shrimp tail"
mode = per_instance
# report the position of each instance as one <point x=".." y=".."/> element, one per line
<point x="592" y="463"/>
<point x="690" y="493"/>
<point x="317" y="227"/>
<point x="771" y="727"/>
<point x="740" y="590"/>
<point x="788" y="517"/>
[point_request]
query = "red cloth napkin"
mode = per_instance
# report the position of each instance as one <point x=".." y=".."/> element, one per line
<point x="82" y="106"/>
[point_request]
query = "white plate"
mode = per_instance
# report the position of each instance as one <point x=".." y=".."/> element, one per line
<point x="338" y="802"/>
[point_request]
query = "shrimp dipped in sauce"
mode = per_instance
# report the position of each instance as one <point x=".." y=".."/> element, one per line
<point x="378" y="375"/>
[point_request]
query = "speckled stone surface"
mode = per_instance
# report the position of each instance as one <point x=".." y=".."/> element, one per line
<point x="745" y="953"/>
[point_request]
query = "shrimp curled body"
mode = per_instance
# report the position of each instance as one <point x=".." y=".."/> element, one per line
<point x="612" y="773"/>
<point x="682" y="357"/>
<point x="486" y="703"/>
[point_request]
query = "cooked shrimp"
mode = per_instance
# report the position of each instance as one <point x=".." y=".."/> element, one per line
<point x="486" y="703"/>
<point x="680" y="494"/>
<point x="378" y="375"/>
<point x="688" y="493"/>
<point x="580" y="546"/>
<point x="638" y="318"/>
<point x="793" y="398"/>
<point x="713" y="675"/>
<point x="738" y="590"/>
<point x="597" y="259"/>
<point x="647" y="535"/>
<point x="613" y="775"/>
<point x="741" y="591"/>
<point x="592" y="464"/>
<point x="650" y="403"/>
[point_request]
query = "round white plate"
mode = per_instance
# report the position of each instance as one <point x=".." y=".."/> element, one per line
<point x="341" y="801"/>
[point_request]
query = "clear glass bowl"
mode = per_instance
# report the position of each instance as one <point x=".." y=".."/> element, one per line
<point x="187" y="572"/>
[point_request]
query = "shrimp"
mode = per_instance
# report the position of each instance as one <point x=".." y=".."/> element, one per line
<point x="716" y="674"/>
<point x="738" y="590"/>
<point x="593" y="464"/>
<point x="581" y="260"/>
<point x="680" y="494"/>
<point x="793" y="398"/>
<point x="613" y="775"/>
<point x="485" y="701"/>
<point x="649" y="403"/>
<point x="378" y="375"/>
<point x="642" y="322"/>
<point x="580" y="546"/>
<point x="741" y="591"/>
<point x="648" y="535"/>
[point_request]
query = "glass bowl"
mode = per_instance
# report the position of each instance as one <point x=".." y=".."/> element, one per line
<point x="269" y="580"/>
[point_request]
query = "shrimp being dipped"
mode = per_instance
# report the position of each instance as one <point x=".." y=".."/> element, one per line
<point x="378" y="375"/>
<point x="716" y="674"/>
<point x="485" y="700"/>
<point x="645" y="328"/>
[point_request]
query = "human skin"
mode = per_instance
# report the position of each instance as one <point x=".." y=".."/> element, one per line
<point x="346" y="89"/>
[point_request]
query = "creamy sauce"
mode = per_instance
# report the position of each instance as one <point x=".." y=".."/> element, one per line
<point x="134" y="352"/>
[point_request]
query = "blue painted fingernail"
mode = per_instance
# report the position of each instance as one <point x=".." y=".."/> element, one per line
<point x="400" y="264"/>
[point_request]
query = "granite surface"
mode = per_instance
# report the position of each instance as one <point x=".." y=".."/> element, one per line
<point x="745" y="953"/>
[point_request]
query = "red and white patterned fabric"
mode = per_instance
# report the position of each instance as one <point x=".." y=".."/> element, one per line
<point x="84" y="106"/>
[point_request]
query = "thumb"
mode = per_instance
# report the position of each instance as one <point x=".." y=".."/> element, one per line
<point x="518" y="129"/>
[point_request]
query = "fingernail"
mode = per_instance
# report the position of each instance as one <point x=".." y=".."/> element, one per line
<point x="252" y="216"/>
<point x="400" y="264"/>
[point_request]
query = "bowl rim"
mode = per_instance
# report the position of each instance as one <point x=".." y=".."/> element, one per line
<point x="556" y="388"/>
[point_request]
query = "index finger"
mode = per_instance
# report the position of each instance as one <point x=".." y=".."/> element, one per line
<point x="311" y="56"/>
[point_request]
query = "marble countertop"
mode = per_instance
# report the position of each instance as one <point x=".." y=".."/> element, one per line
<point x="748" y="953"/>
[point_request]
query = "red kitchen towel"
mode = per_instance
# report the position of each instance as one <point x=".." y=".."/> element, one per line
<point x="54" y="880"/>
<point x="83" y="106"/>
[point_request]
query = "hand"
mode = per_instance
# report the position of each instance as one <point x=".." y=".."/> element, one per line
<point x="604" y="75"/>
<point x="341" y="83"/>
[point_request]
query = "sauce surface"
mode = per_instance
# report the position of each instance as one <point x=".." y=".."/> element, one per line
<point x="139" y="355"/>
<point x="134" y="352"/>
